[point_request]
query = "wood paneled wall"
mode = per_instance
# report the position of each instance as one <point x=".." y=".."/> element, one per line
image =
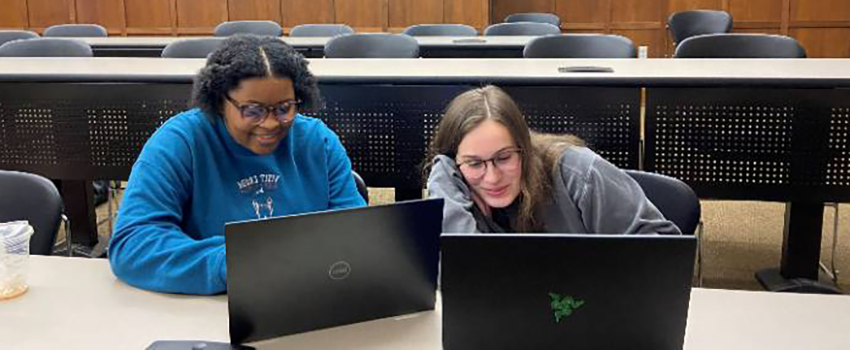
<point x="822" y="26"/>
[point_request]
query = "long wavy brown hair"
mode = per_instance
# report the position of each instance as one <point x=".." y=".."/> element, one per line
<point x="540" y="152"/>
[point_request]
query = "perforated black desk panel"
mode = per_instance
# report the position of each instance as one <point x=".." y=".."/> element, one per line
<point x="85" y="131"/>
<point x="790" y="145"/>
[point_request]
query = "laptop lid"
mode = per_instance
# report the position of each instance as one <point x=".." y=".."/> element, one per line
<point x="558" y="291"/>
<point x="305" y="272"/>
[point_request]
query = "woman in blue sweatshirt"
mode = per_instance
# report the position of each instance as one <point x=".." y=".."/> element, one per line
<point x="244" y="152"/>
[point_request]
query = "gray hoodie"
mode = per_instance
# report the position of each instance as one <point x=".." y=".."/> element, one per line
<point x="590" y="195"/>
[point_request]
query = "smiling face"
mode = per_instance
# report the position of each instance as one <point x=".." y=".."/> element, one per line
<point x="262" y="138"/>
<point x="499" y="185"/>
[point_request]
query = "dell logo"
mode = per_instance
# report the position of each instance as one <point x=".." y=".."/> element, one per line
<point x="339" y="270"/>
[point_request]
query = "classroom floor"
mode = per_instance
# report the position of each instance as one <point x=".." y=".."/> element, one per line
<point x="739" y="238"/>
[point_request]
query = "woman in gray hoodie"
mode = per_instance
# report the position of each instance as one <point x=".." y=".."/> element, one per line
<point x="496" y="175"/>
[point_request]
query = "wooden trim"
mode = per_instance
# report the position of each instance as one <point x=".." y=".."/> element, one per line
<point x="151" y="31"/>
<point x="786" y="17"/>
<point x="636" y="25"/>
<point x="195" y="31"/>
<point x="757" y="25"/>
<point x="385" y="15"/>
<point x="609" y="16"/>
<point x="585" y="26"/>
<point x="724" y="5"/>
<point x="172" y="4"/>
<point x="72" y="11"/>
<point x="281" y="13"/>
<point x="669" y="47"/>
<point x="819" y="24"/>
<point x="123" y="10"/>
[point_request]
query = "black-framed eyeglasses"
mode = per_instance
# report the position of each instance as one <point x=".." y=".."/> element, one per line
<point x="256" y="113"/>
<point x="504" y="160"/>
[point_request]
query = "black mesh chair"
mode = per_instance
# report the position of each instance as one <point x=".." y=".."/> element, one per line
<point x="320" y="30"/>
<point x="35" y="199"/>
<point x="191" y="48"/>
<point x="12" y="35"/>
<point x="522" y="28"/>
<point x="677" y="201"/>
<point x="46" y="47"/>
<point x="76" y="30"/>
<point x="580" y="46"/>
<point x="372" y="45"/>
<point x="446" y="29"/>
<point x="740" y="46"/>
<point x="248" y="27"/>
<point x="361" y="186"/>
<point x="538" y="17"/>
<point x="685" y="24"/>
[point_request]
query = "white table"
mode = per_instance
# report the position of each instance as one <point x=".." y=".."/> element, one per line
<point x="791" y="73"/>
<point x="76" y="303"/>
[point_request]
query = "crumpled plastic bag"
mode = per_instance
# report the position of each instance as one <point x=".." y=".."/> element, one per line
<point x="14" y="257"/>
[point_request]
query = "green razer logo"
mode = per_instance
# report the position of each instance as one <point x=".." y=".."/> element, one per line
<point x="563" y="306"/>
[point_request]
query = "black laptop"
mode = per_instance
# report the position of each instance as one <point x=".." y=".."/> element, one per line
<point x="558" y="291"/>
<point x="305" y="272"/>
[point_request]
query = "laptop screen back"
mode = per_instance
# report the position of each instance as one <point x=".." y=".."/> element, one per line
<point x="305" y="272"/>
<point x="565" y="291"/>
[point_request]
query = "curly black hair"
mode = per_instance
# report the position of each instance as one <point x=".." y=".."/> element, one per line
<point x="243" y="57"/>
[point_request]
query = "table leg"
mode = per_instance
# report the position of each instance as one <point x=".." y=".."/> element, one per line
<point x="404" y="193"/>
<point x="798" y="271"/>
<point x="78" y="197"/>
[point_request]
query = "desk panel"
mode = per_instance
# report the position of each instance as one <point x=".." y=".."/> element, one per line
<point x="85" y="131"/>
<point x="788" y="145"/>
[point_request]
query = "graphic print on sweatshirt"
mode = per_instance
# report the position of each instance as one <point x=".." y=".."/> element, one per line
<point x="260" y="188"/>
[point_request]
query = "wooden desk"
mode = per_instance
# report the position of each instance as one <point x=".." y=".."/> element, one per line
<point x="787" y="142"/>
<point x="76" y="303"/>
<point x="313" y="47"/>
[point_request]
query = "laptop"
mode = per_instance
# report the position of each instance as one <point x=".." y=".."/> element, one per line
<point x="305" y="272"/>
<point x="560" y="291"/>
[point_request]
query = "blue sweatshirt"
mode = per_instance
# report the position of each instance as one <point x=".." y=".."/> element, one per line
<point x="192" y="177"/>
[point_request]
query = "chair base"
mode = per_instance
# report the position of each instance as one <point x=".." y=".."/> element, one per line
<point x="773" y="281"/>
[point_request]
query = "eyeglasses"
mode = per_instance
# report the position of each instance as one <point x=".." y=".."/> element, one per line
<point x="504" y="160"/>
<point x="256" y="114"/>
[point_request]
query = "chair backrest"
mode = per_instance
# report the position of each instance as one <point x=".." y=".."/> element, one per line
<point x="443" y="29"/>
<point x="361" y="186"/>
<point x="46" y="47"/>
<point x="740" y="46"/>
<point x="320" y="30"/>
<point x="248" y="27"/>
<point x="539" y="17"/>
<point x="522" y="28"/>
<point x="372" y="45"/>
<point x="191" y="48"/>
<point x="580" y="46"/>
<point x="12" y="35"/>
<point x="685" y="24"/>
<point x="35" y="199"/>
<point x="674" y="198"/>
<point x="76" y="30"/>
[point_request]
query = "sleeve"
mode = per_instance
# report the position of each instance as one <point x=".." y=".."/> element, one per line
<point x="342" y="189"/>
<point x="613" y="203"/>
<point x="149" y="248"/>
<point x="445" y="181"/>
